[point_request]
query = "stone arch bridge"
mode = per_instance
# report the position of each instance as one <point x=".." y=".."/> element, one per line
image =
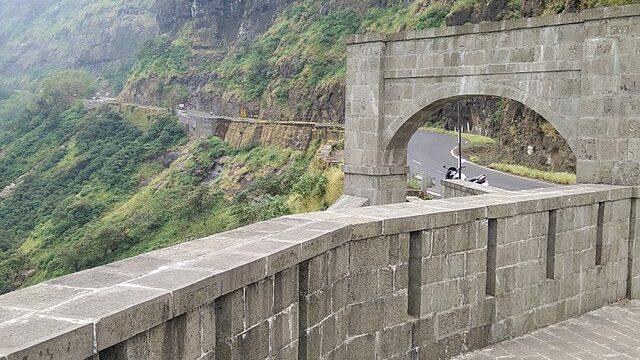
<point x="581" y="72"/>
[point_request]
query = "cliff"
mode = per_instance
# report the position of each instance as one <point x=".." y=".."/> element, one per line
<point x="37" y="36"/>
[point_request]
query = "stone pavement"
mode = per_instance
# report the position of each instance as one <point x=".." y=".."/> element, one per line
<point x="612" y="332"/>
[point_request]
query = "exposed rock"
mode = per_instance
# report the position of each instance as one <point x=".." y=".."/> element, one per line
<point x="78" y="34"/>
<point x="532" y="8"/>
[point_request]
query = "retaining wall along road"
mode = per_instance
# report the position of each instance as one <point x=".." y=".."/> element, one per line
<point x="433" y="279"/>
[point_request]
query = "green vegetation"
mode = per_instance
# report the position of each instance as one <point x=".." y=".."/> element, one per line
<point x="434" y="16"/>
<point x="473" y="139"/>
<point x="553" y="177"/>
<point x="459" y="5"/>
<point x="91" y="187"/>
<point x="301" y="55"/>
<point x="414" y="183"/>
<point x="160" y="57"/>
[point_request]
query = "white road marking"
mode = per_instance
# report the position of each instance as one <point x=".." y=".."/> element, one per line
<point x="456" y="156"/>
<point x="417" y="162"/>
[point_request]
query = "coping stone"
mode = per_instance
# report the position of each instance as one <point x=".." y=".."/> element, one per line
<point x="191" y="288"/>
<point x="96" y="278"/>
<point x="37" y="336"/>
<point x="39" y="297"/>
<point x="232" y="270"/>
<point x="8" y="314"/>
<point x="119" y="312"/>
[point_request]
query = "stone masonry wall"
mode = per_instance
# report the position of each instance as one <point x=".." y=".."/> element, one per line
<point x="427" y="280"/>
<point x="461" y="188"/>
<point x="245" y="132"/>
<point x="578" y="71"/>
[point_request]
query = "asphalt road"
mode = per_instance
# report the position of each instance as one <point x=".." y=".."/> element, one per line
<point x="428" y="152"/>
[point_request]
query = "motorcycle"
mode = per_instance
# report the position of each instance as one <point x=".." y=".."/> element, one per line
<point x="452" y="173"/>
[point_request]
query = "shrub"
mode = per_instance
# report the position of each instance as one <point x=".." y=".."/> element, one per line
<point x="434" y="16"/>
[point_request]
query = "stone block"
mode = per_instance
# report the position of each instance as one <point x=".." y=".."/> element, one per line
<point x="258" y="302"/>
<point x="252" y="344"/>
<point x="366" y="317"/>
<point x="369" y="254"/>
<point x="454" y="265"/>
<point x="318" y="306"/>
<point x="279" y="255"/>
<point x="139" y="265"/>
<point x="285" y="289"/>
<point x="340" y="294"/>
<point x="475" y="262"/>
<point x="34" y="336"/>
<point x="122" y="312"/>
<point x="96" y="278"/>
<point x="394" y="341"/>
<point x="134" y="348"/>
<point x="186" y="336"/>
<point x="39" y="297"/>
<point x="208" y="328"/>
<point x="361" y="348"/>
<point x="452" y="322"/>
<point x="398" y="248"/>
<point x="507" y="255"/>
<point x="284" y="330"/>
<point x="233" y="270"/>
<point x="434" y="269"/>
<point x="363" y="287"/>
<point x="395" y="309"/>
<point x="505" y="280"/>
<point x="191" y="288"/>
<point x="315" y="238"/>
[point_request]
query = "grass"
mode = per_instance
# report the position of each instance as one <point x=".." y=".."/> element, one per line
<point x="414" y="183"/>
<point x="470" y="138"/>
<point x="562" y="178"/>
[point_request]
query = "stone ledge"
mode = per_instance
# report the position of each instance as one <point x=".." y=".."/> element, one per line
<point x="493" y="69"/>
<point x="108" y="304"/>
<point x="375" y="170"/>
<point x="488" y="27"/>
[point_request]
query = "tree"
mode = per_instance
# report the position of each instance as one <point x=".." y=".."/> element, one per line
<point x="62" y="89"/>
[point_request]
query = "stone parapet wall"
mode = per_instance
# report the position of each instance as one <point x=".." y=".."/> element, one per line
<point x="460" y="188"/>
<point x="430" y="280"/>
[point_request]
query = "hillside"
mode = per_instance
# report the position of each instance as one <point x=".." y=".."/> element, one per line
<point x="80" y="189"/>
<point x="285" y="59"/>
<point x="37" y="36"/>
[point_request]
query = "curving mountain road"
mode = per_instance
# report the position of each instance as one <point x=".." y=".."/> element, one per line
<point x="428" y="152"/>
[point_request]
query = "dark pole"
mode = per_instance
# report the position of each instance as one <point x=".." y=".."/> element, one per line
<point x="459" y="144"/>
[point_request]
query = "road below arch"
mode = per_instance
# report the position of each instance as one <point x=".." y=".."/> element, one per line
<point x="428" y="152"/>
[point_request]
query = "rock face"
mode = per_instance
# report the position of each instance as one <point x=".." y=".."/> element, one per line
<point x="39" y="35"/>
<point x="219" y="22"/>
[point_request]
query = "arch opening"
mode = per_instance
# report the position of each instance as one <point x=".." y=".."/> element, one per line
<point x="504" y="139"/>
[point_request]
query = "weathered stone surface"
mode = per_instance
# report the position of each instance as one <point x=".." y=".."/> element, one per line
<point x="39" y="297"/>
<point x="38" y="337"/>
<point x="96" y="278"/>
<point x="606" y="333"/>
<point x="574" y="70"/>
<point x="119" y="312"/>
<point x="191" y="288"/>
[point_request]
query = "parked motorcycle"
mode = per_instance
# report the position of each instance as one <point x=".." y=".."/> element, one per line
<point x="452" y="173"/>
